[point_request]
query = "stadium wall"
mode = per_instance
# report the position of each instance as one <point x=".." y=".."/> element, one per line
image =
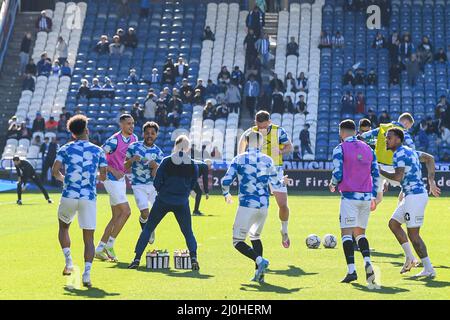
<point x="8" y="11"/>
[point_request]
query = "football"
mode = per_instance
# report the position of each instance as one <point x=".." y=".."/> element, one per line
<point x="313" y="241"/>
<point x="329" y="241"/>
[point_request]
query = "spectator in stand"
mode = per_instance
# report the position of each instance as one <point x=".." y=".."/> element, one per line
<point x="116" y="48"/>
<point x="63" y="50"/>
<point x="348" y="79"/>
<point x="130" y="39"/>
<point x="31" y="68"/>
<point x="24" y="54"/>
<point x="24" y="132"/>
<point x="305" y="141"/>
<point x="406" y="48"/>
<point x="277" y="103"/>
<point x="102" y="47"/>
<point x="233" y="97"/>
<point x="276" y="83"/>
<point x="197" y="99"/>
<point x="169" y="64"/>
<point x="121" y="34"/>
<point x="412" y="70"/>
<point x="56" y="68"/>
<point x="124" y="9"/>
<point x="28" y="83"/>
<point x="324" y="41"/>
<point x="441" y="106"/>
<point x="168" y="77"/>
<point x="181" y="68"/>
<point x="200" y="87"/>
<point x="249" y="45"/>
<point x="137" y="114"/>
<point x="165" y="95"/>
<point x="150" y="106"/>
<point x="208" y="34"/>
<point x="51" y="125"/>
<point x="360" y="103"/>
<point x="251" y="93"/>
<point x="222" y="111"/>
<point x="263" y="49"/>
<point x="301" y="107"/>
<point x="347" y="103"/>
<point x="440" y="56"/>
<point x="84" y="91"/>
<point x="144" y="8"/>
<point x="288" y="104"/>
<point x="211" y="89"/>
<point x="384" y="117"/>
<point x="359" y="78"/>
<point x="431" y="127"/>
<point x="62" y="123"/>
<point x="38" y="123"/>
<point x="372" y="79"/>
<point x="65" y="70"/>
<point x="292" y="48"/>
<point x="175" y="102"/>
<point x="237" y="76"/>
<point x="186" y="91"/>
<point x="223" y="74"/>
<point x="36" y="141"/>
<point x="338" y="40"/>
<point x="13" y="130"/>
<point x="395" y="72"/>
<point x="44" y="23"/>
<point x="424" y="141"/>
<point x="161" y="116"/>
<point x="208" y="111"/>
<point x="255" y="21"/>
<point x="379" y="42"/>
<point x="445" y="136"/>
<point x="290" y="83"/>
<point x="154" y="77"/>
<point x="95" y="89"/>
<point x="108" y="90"/>
<point x="446" y="157"/>
<point x="132" y="77"/>
<point x="302" y="83"/>
<point x="223" y="82"/>
<point x="425" y="52"/>
<point x="174" y="118"/>
<point x="394" y="47"/>
<point x="296" y="155"/>
<point x="44" y="67"/>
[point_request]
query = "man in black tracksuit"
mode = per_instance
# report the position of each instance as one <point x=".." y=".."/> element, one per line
<point x="203" y="171"/>
<point x="25" y="172"/>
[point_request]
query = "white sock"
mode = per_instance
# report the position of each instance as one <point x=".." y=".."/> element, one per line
<point x="284" y="226"/>
<point x="351" y="268"/>
<point x="408" y="252"/>
<point x="367" y="260"/>
<point x="110" y="242"/>
<point x="68" y="256"/>
<point x="100" y="246"/>
<point x="87" y="268"/>
<point x="427" y="264"/>
<point x="259" y="260"/>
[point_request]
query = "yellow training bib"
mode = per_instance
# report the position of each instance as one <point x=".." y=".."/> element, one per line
<point x="384" y="156"/>
<point x="269" y="148"/>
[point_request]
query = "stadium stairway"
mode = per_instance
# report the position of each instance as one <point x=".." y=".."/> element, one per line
<point x="10" y="82"/>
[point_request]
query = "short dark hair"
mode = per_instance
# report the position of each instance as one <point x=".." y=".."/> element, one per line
<point x="16" y="158"/>
<point x="364" y="122"/>
<point x="406" y="116"/>
<point x="262" y="116"/>
<point x="77" y="124"/>
<point x="398" y="132"/>
<point x="125" y="116"/>
<point x="347" y="124"/>
<point x="150" y="124"/>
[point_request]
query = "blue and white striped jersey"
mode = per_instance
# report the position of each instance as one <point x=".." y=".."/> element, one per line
<point x="405" y="157"/>
<point x="140" y="170"/>
<point x="372" y="135"/>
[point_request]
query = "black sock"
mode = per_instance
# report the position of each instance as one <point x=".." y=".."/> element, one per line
<point x="349" y="252"/>
<point x="246" y="250"/>
<point x="258" y="247"/>
<point x="363" y="244"/>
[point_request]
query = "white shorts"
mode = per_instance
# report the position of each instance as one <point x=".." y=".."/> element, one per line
<point x="143" y="194"/>
<point x="280" y="176"/>
<point x="354" y="213"/>
<point x="411" y="210"/>
<point x="383" y="179"/>
<point x="117" y="191"/>
<point x="86" y="209"/>
<point x="249" y="221"/>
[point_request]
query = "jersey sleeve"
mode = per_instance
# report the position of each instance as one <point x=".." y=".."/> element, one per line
<point x="399" y="160"/>
<point x="61" y="154"/>
<point x="130" y="151"/>
<point x="282" y="136"/>
<point x="338" y="164"/>
<point x="110" y="145"/>
<point x="102" y="159"/>
<point x="370" y="135"/>
<point x="229" y="177"/>
<point x="408" y="141"/>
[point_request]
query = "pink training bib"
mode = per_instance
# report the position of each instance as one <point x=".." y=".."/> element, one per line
<point x="117" y="158"/>
<point x="357" y="176"/>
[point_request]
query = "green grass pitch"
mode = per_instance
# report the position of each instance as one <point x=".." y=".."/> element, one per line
<point x="31" y="260"/>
